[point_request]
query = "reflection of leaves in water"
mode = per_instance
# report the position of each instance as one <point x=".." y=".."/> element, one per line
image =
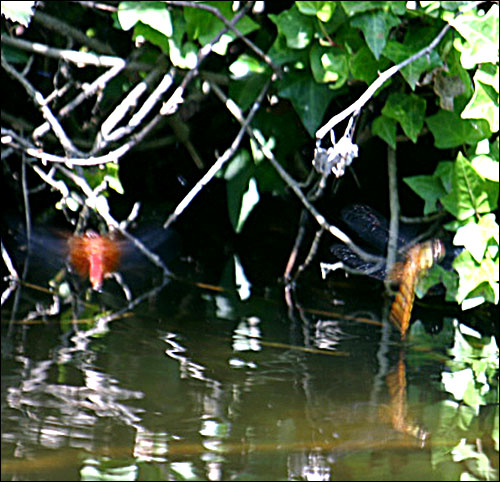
<point x="469" y="420"/>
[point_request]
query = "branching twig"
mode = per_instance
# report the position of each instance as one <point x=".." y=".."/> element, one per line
<point x="90" y="90"/>
<point x="106" y="133"/>
<point x="38" y="99"/>
<point x="171" y="106"/>
<point x="370" y="91"/>
<point x="295" y="186"/>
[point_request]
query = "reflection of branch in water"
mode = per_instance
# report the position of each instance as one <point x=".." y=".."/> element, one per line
<point x="398" y="407"/>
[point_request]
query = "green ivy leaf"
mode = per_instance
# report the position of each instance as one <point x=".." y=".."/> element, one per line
<point x="353" y="8"/>
<point x="152" y="36"/>
<point x="376" y="27"/>
<point x="397" y="52"/>
<point x="429" y="188"/>
<point x="364" y="66"/>
<point x="309" y="99"/>
<point x="449" y="130"/>
<point x="281" y="54"/>
<point x="297" y="29"/>
<point x="444" y="171"/>
<point x="322" y="10"/>
<point x="246" y="90"/>
<point x="385" y="128"/>
<point x="329" y="65"/>
<point x="408" y="110"/>
<point x="203" y="26"/>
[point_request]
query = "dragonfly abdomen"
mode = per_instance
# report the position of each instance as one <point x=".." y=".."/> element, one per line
<point x="418" y="259"/>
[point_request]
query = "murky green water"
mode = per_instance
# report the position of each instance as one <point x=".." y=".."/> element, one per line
<point x="198" y="384"/>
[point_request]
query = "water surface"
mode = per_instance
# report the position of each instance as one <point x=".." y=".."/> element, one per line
<point x="197" y="383"/>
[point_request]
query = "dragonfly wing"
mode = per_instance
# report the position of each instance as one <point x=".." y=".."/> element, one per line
<point x="353" y="261"/>
<point x="372" y="227"/>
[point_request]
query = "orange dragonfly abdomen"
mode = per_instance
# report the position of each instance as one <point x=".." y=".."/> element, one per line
<point x="419" y="258"/>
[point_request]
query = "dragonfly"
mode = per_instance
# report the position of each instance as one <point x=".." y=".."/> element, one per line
<point x="93" y="256"/>
<point x="373" y="228"/>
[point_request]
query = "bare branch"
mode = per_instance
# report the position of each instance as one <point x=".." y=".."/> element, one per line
<point x="383" y="77"/>
<point x="44" y="108"/>
<point x="84" y="58"/>
<point x="219" y="163"/>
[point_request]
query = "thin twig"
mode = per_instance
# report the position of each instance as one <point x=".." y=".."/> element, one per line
<point x="218" y="164"/>
<point x="85" y="58"/>
<point x="13" y="276"/>
<point x="90" y="90"/>
<point x="392" y="245"/>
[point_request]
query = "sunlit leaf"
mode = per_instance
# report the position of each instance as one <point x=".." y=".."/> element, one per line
<point x="154" y="14"/>
<point x="471" y="194"/>
<point x="20" y="12"/>
<point x="249" y="201"/>
<point x="484" y="103"/>
<point x="475" y="236"/>
<point x="481" y="36"/>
